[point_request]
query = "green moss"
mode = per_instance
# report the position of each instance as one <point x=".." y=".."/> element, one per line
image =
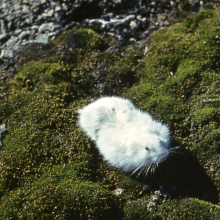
<point x="180" y="86"/>
<point x="172" y="209"/>
<point x="34" y="74"/>
<point x="189" y="208"/>
<point x="136" y="210"/>
<point x="44" y="151"/>
<point x="59" y="196"/>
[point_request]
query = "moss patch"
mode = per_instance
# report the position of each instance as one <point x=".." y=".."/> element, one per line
<point x="49" y="169"/>
<point x="58" y="196"/>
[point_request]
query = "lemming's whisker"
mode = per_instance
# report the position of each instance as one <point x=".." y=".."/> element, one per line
<point x="138" y="167"/>
<point x="147" y="170"/>
<point x="176" y="149"/>
<point x="140" y="171"/>
<point x="153" y="168"/>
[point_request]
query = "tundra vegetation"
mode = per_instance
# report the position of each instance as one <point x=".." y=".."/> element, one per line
<point x="49" y="169"/>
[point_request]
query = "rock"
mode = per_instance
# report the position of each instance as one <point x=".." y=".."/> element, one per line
<point x="145" y="34"/>
<point x="133" y="24"/>
<point x="132" y="40"/>
<point x="58" y="8"/>
<point x="17" y="31"/>
<point x="24" y="35"/>
<point x="195" y="4"/>
<point x="11" y="42"/>
<point x="118" y="191"/>
<point x="112" y="21"/>
<point x="7" y="54"/>
<point x="4" y="37"/>
<point x="3" y="26"/>
<point x="145" y="50"/>
<point x="17" y="45"/>
<point x="46" y="27"/>
<point x="42" y="38"/>
<point x="2" y="130"/>
<point x="205" y="6"/>
<point x="35" y="27"/>
<point x="17" y="7"/>
<point x="50" y="13"/>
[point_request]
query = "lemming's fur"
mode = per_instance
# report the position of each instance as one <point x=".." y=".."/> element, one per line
<point x="127" y="137"/>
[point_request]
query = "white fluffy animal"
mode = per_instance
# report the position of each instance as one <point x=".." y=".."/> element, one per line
<point x="127" y="137"/>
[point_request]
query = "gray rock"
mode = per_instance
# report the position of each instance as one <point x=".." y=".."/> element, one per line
<point x="42" y="38"/>
<point x="7" y="54"/>
<point x="3" y="27"/>
<point x="24" y="35"/>
<point x="28" y="42"/>
<point x="39" y="19"/>
<point x="145" y="34"/>
<point x="35" y="27"/>
<point x="58" y="8"/>
<point x="11" y="17"/>
<point x="133" y="24"/>
<point x="132" y="40"/>
<point x="18" y="13"/>
<point x="17" y="45"/>
<point x="17" y="31"/>
<point x="11" y="42"/>
<point x="4" y="5"/>
<point x="44" y="15"/>
<point x="25" y="9"/>
<point x="4" y="37"/>
<point x="17" y="7"/>
<point x="46" y="27"/>
<point x="50" y="13"/>
<point x="2" y="130"/>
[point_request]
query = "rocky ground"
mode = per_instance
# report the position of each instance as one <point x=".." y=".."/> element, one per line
<point x="25" y="22"/>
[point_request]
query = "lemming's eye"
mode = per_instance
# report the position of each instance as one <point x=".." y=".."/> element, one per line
<point x="146" y="148"/>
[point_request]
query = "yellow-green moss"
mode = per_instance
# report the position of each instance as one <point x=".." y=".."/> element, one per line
<point x="172" y="209"/>
<point x="177" y="82"/>
<point x="57" y="195"/>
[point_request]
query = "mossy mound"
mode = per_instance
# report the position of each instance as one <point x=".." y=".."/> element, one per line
<point x="43" y="137"/>
<point x="49" y="169"/>
<point x="180" y="85"/>
<point x="172" y="209"/>
<point x="57" y="195"/>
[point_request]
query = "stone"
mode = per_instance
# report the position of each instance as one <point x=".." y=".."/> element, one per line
<point x="25" y="9"/>
<point x="17" y="7"/>
<point x="17" y="46"/>
<point x="35" y="27"/>
<point x="133" y="24"/>
<point x="42" y="38"/>
<point x="4" y="37"/>
<point x="58" y="8"/>
<point x="24" y="35"/>
<point x="3" y="26"/>
<point x="11" y="42"/>
<point x="50" y="13"/>
<point x="46" y="27"/>
<point x="132" y="40"/>
<point x="2" y="130"/>
<point x="7" y="54"/>
<point x="17" y="31"/>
